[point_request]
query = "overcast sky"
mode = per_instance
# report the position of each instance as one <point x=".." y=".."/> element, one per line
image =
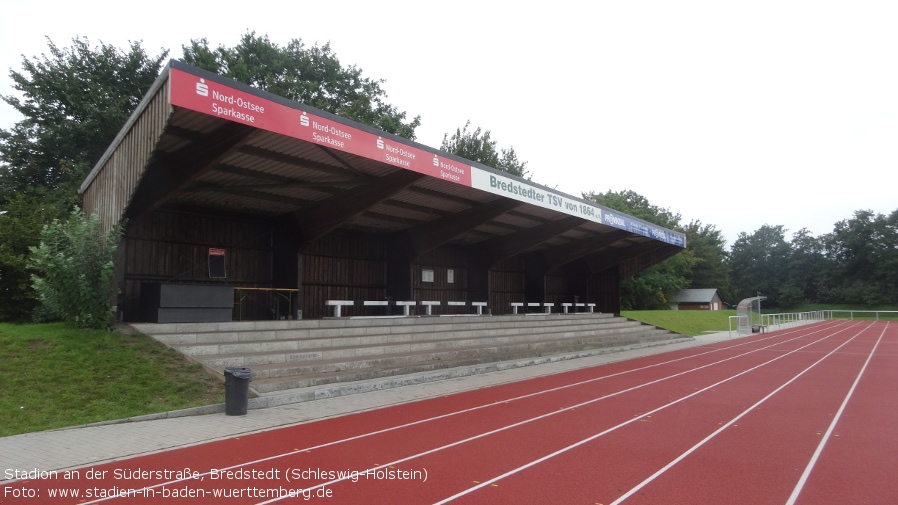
<point x="736" y="114"/>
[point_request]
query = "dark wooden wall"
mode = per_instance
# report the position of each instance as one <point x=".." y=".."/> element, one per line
<point x="506" y="285"/>
<point x="172" y="246"/>
<point x="604" y="289"/>
<point x="440" y="261"/>
<point x="558" y="289"/>
<point x="167" y="246"/>
<point x="343" y="266"/>
<point x="111" y="185"/>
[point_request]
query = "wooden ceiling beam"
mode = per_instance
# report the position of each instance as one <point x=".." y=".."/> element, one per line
<point x="432" y="234"/>
<point x="250" y="192"/>
<point x="561" y="255"/>
<point x="618" y="256"/>
<point x="317" y="186"/>
<point x="328" y="214"/>
<point x="467" y="202"/>
<point x="342" y="173"/>
<point x="507" y="246"/>
<point x="655" y="252"/>
<point x="164" y="177"/>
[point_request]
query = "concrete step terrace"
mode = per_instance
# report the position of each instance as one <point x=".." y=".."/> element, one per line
<point x="286" y="355"/>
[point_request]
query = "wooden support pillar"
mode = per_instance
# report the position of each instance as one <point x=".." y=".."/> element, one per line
<point x="478" y="281"/>
<point x="605" y="290"/>
<point x="286" y="262"/>
<point x="535" y="269"/>
<point x="400" y="255"/>
<point x="286" y="254"/>
<point x="578" y="279"/>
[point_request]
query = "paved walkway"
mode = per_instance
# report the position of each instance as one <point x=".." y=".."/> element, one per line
<point x="89" y="445"/>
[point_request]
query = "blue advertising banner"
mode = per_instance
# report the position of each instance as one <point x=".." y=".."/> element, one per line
<point x="639" y="227"/>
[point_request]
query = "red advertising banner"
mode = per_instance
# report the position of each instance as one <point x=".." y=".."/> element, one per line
<point x="215" y="99"/>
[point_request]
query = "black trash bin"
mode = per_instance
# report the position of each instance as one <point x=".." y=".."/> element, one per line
<point x="236" y="390"/>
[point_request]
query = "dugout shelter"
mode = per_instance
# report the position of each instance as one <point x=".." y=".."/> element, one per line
<point x="222" y="184"/>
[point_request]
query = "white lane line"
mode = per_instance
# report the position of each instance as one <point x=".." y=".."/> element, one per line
<point x="621" y="425"/>
<point x="720" y="430"/>
<point x="543" y="416"/>
<point x="493" y="404"/>
<point x="832" y="426"/>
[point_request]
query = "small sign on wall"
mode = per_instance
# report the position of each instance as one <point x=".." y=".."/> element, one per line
<point x="217" y="269"/>
<point x="450" y="276"/>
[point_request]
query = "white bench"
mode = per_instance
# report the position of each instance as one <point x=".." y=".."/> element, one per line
<point x="338" y="306"/>
<point x="406" y="306"/>
<point x="456" y="304"/>
<point x="547" y="307"/>
<point x="377" y="303"/>
<point x="515" y="306"/>
<point x="590" y="307"/>
<point x="430" y="304"/>
<point x="478" y="306"/>
<point x="456" y="314"/>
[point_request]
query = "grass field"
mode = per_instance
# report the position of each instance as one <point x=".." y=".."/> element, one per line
<point x="696" y="322"/>
<point x="55" y="376"/>
<point x="686" y="322"/>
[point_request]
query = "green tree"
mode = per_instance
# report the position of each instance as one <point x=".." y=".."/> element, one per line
<point x="311" y="75"/>
<point x="759" y="263"/>
<point x="20" y="226"/>
<point x="708" y="246"/>
<point x="651" y="289"/>
<point x="478" y="146"/>
<point x="74" y="102"/>
<point x="855" y="264"/>
<point x="866" y="258"/>
<point x="74" y="270"/>
<point x="636" y="205"/>
<point x="810" y="271"/>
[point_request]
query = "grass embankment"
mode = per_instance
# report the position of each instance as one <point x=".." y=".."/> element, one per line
<point x="686" y="322"/>
<point x="696" y="322"/>
<point x="54" y="376"/>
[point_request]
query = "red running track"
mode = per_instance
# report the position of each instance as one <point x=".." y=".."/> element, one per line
<point x="806" y="416"/>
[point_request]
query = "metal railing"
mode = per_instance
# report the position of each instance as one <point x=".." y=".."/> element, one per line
<point x="774" y="321"/>
<point x="744" y="325"/>
<point x="790" y="318"/>
<point x="876" y="315"/>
